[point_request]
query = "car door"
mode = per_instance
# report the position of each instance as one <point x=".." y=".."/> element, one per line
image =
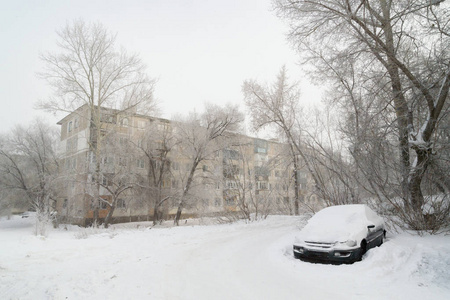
<point x="374" y="235"/>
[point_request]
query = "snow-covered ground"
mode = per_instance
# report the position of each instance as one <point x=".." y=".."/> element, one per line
<point x="232" y="261"/>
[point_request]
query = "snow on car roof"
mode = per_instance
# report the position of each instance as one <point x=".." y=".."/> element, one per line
<point x="341" y="214"/>
<point x="339" y="222"/>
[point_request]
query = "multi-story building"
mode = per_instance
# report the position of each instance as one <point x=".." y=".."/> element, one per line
<point x="138" y="161"/>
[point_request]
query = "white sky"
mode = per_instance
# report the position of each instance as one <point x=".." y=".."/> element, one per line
<point x="200" y="50"/>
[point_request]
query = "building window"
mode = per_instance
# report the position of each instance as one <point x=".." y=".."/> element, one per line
<point x="69" y="126"/>
<point x="65" y="203"/>
<point x="140" y="163"/>
<point x="174" y="183"/>
<point x="261" y="146"/>
<point x="76" y="123"/>
<point x="205" y="168"/>
<point x="124" y="122"/>
<point x="141" y="125"/>
<point x="231" y="184"/>
<point x="120" y="203"/>
<point x="261" y="185"/>
<point x="91" y="157"/>
<point x="261" y="150"/>
<point x="102" y="204"/>
<point x="165" y="183"/>
<point x="107" y="118"/>
<point x="106" y="160"/>
<point x="229" y="201"/>
<point x="231" y="154"/>
<point x="163" y="127"/>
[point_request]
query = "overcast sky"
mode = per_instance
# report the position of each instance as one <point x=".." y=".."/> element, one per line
<point x="200" y="50"/>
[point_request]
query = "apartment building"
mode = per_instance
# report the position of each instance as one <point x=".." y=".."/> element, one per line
<point x="137" y="160"/>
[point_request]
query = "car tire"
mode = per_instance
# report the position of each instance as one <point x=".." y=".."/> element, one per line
<point x="383" y="236"/>
<point x="363" y="250"/>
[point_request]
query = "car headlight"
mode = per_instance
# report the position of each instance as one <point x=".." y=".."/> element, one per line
<point x="298" y="249"/>
<point x="350" y="243"/>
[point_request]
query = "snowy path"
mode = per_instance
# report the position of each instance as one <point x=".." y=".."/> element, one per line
<point x="238" y="261"/>
<point x="234" y="265"/>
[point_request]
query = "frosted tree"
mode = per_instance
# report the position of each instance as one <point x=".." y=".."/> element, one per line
<point x="201" y="136"/>
<point x="312" y="144"/>
<point x="119" y="173"/>
<point x="29" y="168"/>
<point x="403" y="45"/>
<point x="90" y="73"/>
<point x="156" y="145"/>
<point x="277" y="106"/>
<point x="247" y="182"/>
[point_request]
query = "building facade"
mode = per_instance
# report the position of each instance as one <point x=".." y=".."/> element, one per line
<point x="139" y="164"/>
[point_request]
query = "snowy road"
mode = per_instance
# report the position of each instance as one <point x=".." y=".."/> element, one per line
<point x="238" y="261"/>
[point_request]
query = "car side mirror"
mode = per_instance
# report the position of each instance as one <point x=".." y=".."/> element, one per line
<point x="370" y="226"/>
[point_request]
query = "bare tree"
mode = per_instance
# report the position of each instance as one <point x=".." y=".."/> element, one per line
<point x="239" y="184"/>
<point x="90" y="72"/>
<point x="278" y="106"/>
<point x="29" y="168"/>
<point x="403" y="46"/>
<point x="200" y="137"/>
<point x="247" y="178"/>
<point x="156" y="145"/>
<point x="119" y="173"/>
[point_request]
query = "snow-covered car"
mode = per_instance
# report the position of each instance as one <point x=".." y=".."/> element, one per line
<point x="340" y="234"/>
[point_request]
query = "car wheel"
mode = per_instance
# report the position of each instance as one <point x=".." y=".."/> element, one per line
<point x="382" y="238"/>
<point x="363" y="250"/>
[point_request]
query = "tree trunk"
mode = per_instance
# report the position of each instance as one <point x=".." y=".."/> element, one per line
<point x="400" y="104"/>
<point x="296" y="181"/>
<point x="185" y="192"/>
<point x="416" y="176"/>
<point x="178" y="215"/>
<point x="110" y="214"/>
<point x="157" y="214"/>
